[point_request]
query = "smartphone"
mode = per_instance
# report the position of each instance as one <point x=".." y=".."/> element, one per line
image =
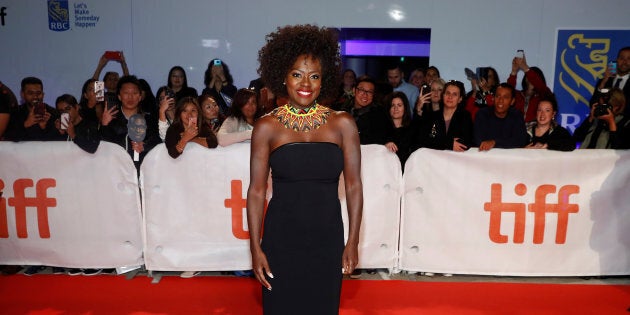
<point x="40" y="108"/>
<point x="613" y="67"/>
<point x="113" y="55"/>
<point x="99" y="90"/>
<point x="520" y="53"/>
<point x="168" y="92"/>
<point x="65" y="119"/>
<point x="217" y="62"/>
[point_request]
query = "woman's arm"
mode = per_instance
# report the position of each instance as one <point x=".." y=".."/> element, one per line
<point x="354" y="189"/>
<point x="256" y="194"/>
<point x="171" y="140"/>
<point x="229" y="134"/>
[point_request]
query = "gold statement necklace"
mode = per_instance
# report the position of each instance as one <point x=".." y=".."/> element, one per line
<point x="303" y="120"/>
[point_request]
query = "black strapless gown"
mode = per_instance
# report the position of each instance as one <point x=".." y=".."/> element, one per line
<point x="303" y="230"/>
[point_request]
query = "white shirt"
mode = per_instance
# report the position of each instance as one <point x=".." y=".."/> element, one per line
<point x="624" y="80"/>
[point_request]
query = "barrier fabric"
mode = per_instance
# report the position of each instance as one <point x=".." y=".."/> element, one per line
<point x="61" y="206"/>
<point x="195" y="208"/>
<point x="517" y="212"/>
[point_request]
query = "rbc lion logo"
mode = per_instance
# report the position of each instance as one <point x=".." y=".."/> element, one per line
<point x="58" y="15"/>
<point x="582" y="62"/>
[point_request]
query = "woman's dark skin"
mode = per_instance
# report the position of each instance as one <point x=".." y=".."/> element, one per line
<point x="269" y="134"/>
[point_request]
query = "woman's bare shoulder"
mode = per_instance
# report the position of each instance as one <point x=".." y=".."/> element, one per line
<point x="341" y="118"/>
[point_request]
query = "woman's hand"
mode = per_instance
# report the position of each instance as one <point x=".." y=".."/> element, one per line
<point x="190" y="130"/>
<point x="391" y="147"/>
<point x="166" y="103"/>
<point x="108" y="115"/>
<point x="350" y="258"/>
<point x="59" y="128"/>
<point x="71" y="132"/>
<point x="458" y="146"/>
<point x="261" y="269"/>
<point x="536" y="146"/>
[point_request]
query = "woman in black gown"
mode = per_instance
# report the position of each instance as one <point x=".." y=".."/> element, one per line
<point x="307" y="146"/>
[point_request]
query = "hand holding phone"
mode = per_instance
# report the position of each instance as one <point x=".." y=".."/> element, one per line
<point x="612" y="66"/>
<point x="39" y="109"/>
<point x="65" y="119"/>
<point x="113" y="55"/>
<point x="520" y="54"/>
<point x="99" y="90"/>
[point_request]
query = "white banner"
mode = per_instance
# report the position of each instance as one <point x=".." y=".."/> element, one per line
<point x="195" y="208"/>
<point x="61" y="206"/>
<point x="517" y="212"/>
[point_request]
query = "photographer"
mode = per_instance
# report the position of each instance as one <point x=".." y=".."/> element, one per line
<point x="606" y="127"/>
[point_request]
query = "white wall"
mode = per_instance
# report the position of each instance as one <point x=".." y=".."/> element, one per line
<point x="158" y="34"/>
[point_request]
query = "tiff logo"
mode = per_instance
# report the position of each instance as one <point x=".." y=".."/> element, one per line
<point x="20" y="202"/>
<point x="238" y="204"/>
<point x="540" y="208"/>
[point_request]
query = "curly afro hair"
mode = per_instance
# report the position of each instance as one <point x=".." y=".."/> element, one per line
<point x="287" y="43"/>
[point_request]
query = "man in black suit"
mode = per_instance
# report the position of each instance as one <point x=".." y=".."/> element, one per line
<point x="619" y="79"/>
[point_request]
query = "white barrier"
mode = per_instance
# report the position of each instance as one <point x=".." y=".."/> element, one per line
<point x="195" y="215"/>
<point x="503" y="212"/>
<point x="61" y="206"/>
<point x="517" y="212"/>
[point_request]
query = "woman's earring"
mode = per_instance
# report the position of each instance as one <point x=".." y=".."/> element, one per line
<point x="284" y="83"/>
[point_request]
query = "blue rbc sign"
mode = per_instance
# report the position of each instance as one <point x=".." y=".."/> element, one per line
<point x="58" y="15"/>
<point x="581" y="59"/>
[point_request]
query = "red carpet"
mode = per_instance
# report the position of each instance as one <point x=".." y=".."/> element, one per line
<point x="60" y="294"/>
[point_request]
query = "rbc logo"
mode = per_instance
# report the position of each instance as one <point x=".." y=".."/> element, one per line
<point x="58" y="15"/>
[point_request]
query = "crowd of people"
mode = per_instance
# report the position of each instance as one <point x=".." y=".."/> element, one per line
<point x="425" y="112"/>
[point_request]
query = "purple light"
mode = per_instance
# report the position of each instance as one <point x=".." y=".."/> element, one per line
<point x="385" y="48"/>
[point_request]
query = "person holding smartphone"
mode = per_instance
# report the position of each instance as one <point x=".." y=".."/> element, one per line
<point x="187" y="128"/>
<point x="484" y="84"/>
<point x="616" y="77"/>
<point x="34" y="120"/>
<point x="166" y="109"/>
<point x="534" y="87"/>
<point x="83" y="132"/>
<point x="219" y="84"/>
<point x="111" y="77"/>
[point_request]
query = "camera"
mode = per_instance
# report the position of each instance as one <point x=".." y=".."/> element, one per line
<point x="602" y="107"/>
<point x="217" y="62"/>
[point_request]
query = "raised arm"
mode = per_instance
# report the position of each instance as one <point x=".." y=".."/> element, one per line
<point x="354" y="189"/>
<point x="256" y="193"/>
<point x="101" y="64"/>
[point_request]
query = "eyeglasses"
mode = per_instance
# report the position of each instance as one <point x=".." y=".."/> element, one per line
<point x="365" y="91"/>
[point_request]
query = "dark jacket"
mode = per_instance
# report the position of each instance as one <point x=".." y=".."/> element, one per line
<point x="173" y="135"/>
<point x="432" y="133"/>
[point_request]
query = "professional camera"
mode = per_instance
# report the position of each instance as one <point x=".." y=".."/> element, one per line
<point x="602" y="107"/>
